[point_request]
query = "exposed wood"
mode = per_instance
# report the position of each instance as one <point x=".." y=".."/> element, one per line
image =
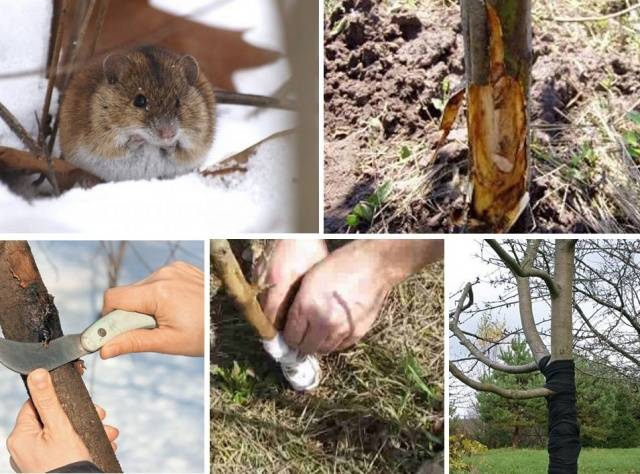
<point x="28" y="314"/>
<point x="497" y="39"/>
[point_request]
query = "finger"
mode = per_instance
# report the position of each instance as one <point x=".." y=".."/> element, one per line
<point x="101" y="413"/>
<point x="13" y="465"/>
<point x="112" y="432"/>
<point x="139" y="340"/>
<point x="333" y="343"/>
<point x="46" y="400"/>
<point x="28" y="417"/>
<point x="347" y="343"/>
<point x="296" y="326"/>
<point x="270" y="300"/>
<point x="316" y="334"/>
<point x="139" y="298"/>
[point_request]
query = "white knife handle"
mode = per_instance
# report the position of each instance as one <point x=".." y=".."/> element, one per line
<point x="112" y="325"/>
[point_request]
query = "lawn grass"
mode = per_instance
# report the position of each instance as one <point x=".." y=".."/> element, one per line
<point x="379" y="408"/>
<point x="592" y="461"/>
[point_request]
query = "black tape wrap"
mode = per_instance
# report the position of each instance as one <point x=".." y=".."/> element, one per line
<point x="564" y="433"/>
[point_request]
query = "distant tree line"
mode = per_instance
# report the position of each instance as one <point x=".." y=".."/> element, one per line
<point x="608" y="407"/>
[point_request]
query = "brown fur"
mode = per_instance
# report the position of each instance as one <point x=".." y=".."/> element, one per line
<point x="94" y="109"/>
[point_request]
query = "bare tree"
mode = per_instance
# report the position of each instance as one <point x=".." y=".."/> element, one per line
<point x="555" y="363"/>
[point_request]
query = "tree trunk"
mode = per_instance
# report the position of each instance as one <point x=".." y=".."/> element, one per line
<point x="27" y="314"/>
<point x="497" y="40"/>
<point x="559" y="370"/>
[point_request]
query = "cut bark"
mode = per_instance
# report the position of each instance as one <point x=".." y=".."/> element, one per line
<point x="28" y="314"/>
<point x="497" y="39"/>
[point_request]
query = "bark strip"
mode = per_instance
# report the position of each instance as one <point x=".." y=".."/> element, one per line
<point x="497" y="39"/>
<point x="28" y="314"/>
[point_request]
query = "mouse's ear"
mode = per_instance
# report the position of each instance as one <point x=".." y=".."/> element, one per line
<point x="114" y="67"/>
<point x="190" y="67"/>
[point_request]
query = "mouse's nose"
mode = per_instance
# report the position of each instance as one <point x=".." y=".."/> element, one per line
<point x="166" y="132"/>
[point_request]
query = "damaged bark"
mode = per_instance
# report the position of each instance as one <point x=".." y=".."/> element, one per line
<point x="497" y="40"/>
<point x="28" y="314"/>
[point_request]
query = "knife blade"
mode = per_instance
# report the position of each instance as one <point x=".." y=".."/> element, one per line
<point x="24" y="357"/>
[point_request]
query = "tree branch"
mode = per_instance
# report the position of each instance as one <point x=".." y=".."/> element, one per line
<point x="604" y="339"/>
<point x="226" y="268"/>
<point x="17" y="128"/>
<point x="467" y="293"/>
<point x="503" y="392"/>
<point x="518" y="270"/>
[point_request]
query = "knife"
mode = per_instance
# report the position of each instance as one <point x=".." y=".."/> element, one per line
<point x="24" y="357"/>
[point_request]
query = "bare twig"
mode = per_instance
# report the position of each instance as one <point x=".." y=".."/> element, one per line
<point x="67" y="75"/>
<point x="153" y="37"/>
<point x="236" y="98"/>
<point x="55" y="45"/>
<point x="592" y="18"/>
<point x="102" y="14"/>
<point x="56" y="39"/>
<point x="17" y="128"/>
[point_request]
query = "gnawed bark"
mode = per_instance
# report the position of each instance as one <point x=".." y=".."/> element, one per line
<point x="497" y="38"/>
<point x="28" y="314"/>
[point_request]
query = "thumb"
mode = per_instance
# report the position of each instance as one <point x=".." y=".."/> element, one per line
<point x="139" y="340"/>
<point x="46" y="400"/>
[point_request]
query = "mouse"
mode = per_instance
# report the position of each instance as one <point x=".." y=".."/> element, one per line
<point x="141" y="114"/>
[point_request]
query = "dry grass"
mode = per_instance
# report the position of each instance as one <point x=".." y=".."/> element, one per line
<point x="598" y="194"/>
<point x="378" y="410"/>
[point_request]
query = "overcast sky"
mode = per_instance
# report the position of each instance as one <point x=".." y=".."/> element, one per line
<point x="464" y="265"/>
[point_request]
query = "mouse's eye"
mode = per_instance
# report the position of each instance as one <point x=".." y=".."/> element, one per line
<point x="140" y="101"/>
<point x="177" y="103"/>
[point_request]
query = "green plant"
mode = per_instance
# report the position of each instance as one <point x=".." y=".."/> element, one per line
<point x="632" y="137"/>
<point x="364" y="211"/>
<point x="440" y="103"/>
<point x="460" y="447"/>
<point x="582" y="161"/>
<point x="405" y="152"/>
<point x="237" y="382"/>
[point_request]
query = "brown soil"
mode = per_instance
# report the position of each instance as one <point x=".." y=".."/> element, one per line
<point x="383" y="69"/>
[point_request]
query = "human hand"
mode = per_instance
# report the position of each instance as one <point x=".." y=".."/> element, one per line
<point x="288" y="262"/>
<point x="340" y="297"/>
<point x="174" y="295"/>
<point x="36" y="447"/>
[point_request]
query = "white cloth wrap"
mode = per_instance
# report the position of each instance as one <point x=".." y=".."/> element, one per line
<point x="302" y="372"/>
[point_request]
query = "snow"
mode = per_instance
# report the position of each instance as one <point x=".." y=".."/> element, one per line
<point x="262" y="200"/>
<point x="156" y="401"/>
